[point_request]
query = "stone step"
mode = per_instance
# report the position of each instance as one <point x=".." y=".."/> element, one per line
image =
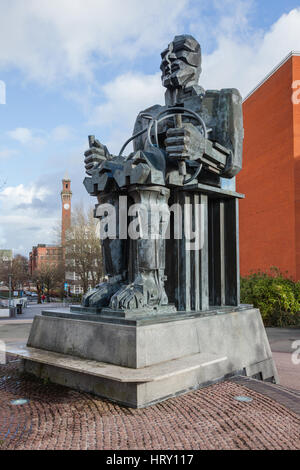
<point x="289" y="390"/>
<point x="153" y="373"/>
<point x="270" y="385"/>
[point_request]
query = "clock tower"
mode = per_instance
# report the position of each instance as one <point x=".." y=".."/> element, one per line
<point x="66" y="196"/>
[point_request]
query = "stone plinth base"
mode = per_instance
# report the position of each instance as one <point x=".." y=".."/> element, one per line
<point x="143" y="362"/>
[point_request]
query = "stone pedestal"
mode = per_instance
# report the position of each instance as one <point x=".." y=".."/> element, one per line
<point x="141" y="361"/>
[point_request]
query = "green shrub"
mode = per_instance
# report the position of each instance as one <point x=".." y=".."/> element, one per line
<point x="276" y="295"/>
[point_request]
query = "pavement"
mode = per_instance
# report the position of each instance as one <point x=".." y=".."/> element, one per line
<point x="32" y="310"/>
<point x="285" y="346"/>
<point x="55" y="417"/>
<point x="16" y="330"/>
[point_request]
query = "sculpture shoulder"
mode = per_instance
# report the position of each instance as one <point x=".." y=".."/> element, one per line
<point x="224" y="113"/>
<point x="231" y="99"/>
<point x="223" y="91"/>
<point x="222" y="107"/>
<point x="215" y="100"/>
<point x="153" y="111"/>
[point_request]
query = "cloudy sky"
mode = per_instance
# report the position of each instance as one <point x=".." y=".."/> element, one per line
<point x="79" y="67"/>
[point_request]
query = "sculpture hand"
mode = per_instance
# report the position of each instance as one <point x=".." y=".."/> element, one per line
<point x="185" y="142"/>
<point x="95" y="155"/>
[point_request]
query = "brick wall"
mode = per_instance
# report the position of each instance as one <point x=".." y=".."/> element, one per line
<point x="268" y="221"/>
<point x="296" y="130"/>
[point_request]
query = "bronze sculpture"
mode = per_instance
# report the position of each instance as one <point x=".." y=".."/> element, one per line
<point x="201" y="145"/>
<point x="169" y="319"/>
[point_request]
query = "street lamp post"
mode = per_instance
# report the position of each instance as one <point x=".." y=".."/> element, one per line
<point x="9" y="281"/>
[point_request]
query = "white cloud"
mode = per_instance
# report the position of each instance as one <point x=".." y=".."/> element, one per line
<point x="16" y="195"/>
<point x="62" y="133"/>
<point x="2" y="238"/>
<point x="125" y="97"/>
<point x="61" y="39"/>
<point x="30" y="231"/>
<point x="7" y="153"/>
<point x="25" y="218"/>
<point x="26" y="137"/>
<point x="37" y="137"/>
<point x="208" y="20"/>
<point x="55" y="39"/>
<point x="241" y="58"/>
<point x="241" y="61"/>
<point x="21" y="134"/>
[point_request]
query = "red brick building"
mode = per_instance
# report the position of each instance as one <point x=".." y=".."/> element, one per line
<point x="44" y="254"/>
<point x="270" y="214"/>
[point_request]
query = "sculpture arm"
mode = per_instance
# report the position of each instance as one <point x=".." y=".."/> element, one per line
<point x="187" y="143"/>
<point x="95" y="155"/>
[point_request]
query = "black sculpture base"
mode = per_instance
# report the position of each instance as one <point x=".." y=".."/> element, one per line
<point x="128" y="314"/>
<point x="138" y="318"/>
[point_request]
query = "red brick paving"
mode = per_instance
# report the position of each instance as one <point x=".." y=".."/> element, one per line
<point x="59" y="418"/>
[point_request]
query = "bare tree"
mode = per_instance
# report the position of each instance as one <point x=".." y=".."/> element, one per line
<point x="83" y="250"/>
<point x="17" y="269"/>
<point x="48" y="277"/>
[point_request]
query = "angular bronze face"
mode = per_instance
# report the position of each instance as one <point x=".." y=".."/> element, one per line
<point x="181" y="62"/>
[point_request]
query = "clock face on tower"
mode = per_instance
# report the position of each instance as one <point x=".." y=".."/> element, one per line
<point x="66" y="206"/>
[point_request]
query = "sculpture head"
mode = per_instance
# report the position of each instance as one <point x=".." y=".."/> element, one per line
<point x="181" y="63"/>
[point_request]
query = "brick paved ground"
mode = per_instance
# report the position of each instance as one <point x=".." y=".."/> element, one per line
<point x="59" y="418"/>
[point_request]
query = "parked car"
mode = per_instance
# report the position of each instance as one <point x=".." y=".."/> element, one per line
<point x="32" y="295"/>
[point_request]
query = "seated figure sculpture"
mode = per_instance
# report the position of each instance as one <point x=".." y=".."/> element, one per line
<point x="195" y="138"/>
<point x="169" y="319"/>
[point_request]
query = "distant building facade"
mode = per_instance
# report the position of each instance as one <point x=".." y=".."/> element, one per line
<point x="6" y="255"/>
<point x="54" y="254"/>
<point x="44" y="255"/>
<point x="270" y="213"/>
